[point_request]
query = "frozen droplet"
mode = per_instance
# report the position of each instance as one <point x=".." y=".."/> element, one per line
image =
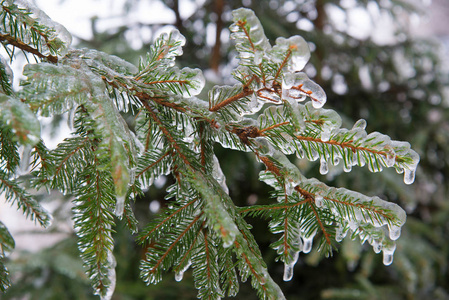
<point x="120" y="206"/>
<point x="180" y="273"/>
<point x="360" y="124"/>
<point x="308" y="242"/>
<point x="324" y="168"/>
<point x="325" y="135"/>
<point x="340" y="233"/>
<point x="388" y="252"/>
<point x="347" y="167"/>
<point x="314" y="154"/>
<point x="258" y="55"/>
<point x="179" y="276"/>
<point x="319" y="201"/>
<point x="394" y="232"/>
<point x="377" y="246"/>
<point x="336" y="161"/>
<point x="288" y="272"/>
<point x="299" y="152"/>
<point x="409" y="176"/>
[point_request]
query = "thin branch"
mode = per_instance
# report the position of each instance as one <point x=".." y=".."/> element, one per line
<point x="153" y="164"/>
<point x="21" y="45"/>
<point x="253" y="271"/>
<point x="274" y="126"/>
<point x="245" y="92"/>
<point x="343" y="145"/>
<point x="166" y="220"/>
<point x="323" y="229"/>
<point x="289" y="52"/>
<point x="161" y="259"/>
<point x="273" y="207"/>
<point x="167" y="134"/>
<point x="181" y="82"/>
<point x="192" y="245"/>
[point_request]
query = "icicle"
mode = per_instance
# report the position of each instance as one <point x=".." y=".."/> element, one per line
<point x="318" y="201"/>
<point x="409" y="176"/>
<point x="377" y="246"/>
<point x="25" y="160"/>
<point x="217" y="173"/>
<point x="394" y="232"/>
<point x="314" y="154"/>
<point x="111" y="276"/>
<point x="120" y="206"/>
<point x="336" y="161"/>
<point x="299" y="152"/>
<point x="388" y="252"/>
<point x="180" y="273"/>
<point x="288" y="272"/>
<point x="324" y="168"/>
<point x="340" y="233"/>
<point x="308" y="241"/>
<point x="347" y="167"/>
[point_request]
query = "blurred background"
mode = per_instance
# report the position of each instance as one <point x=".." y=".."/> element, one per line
<point x="385" y="61"/>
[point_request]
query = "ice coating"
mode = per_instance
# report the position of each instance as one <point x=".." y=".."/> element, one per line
<point x="120" y="206"/>
<point x="298" y="85"/>
<point x="20" y="119"/>
<point x="111" y="276"/>
<point x="390" y="156"/>
<point x="297" y="50"/>
<point x="8" y="70"/>
<point x="319" y="200"/>
<point x="172" y="43"/>
<point x="195" y="81"/>
<point x="248" y="33"/>
<point x="217" y="173"/>
<point x="57" y="38"/>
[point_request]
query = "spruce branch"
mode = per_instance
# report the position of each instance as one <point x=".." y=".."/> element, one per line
<point x="29" y="206"/>
<point x="107" y="162"/>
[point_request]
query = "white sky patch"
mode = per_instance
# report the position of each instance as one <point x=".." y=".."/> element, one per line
<point x="76" y="15"/>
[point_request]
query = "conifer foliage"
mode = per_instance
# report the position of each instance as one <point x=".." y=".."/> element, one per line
<point x="273" y="111"/>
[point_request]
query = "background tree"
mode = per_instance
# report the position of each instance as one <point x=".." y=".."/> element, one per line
<point x="362" y="79"/>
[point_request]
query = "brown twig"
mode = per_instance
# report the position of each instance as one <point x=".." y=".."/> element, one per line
<point x="21" y="45"/>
